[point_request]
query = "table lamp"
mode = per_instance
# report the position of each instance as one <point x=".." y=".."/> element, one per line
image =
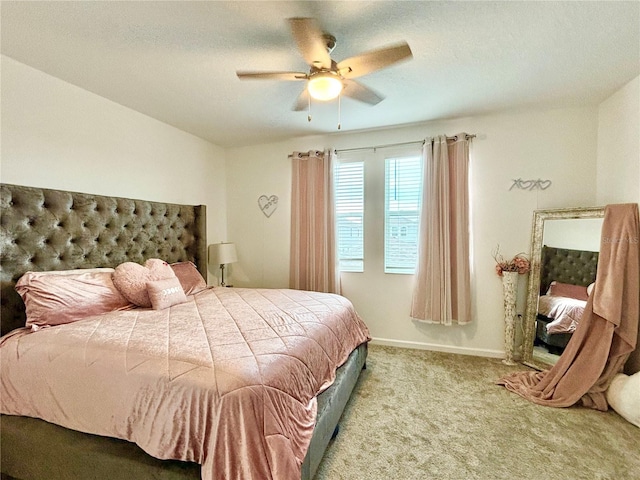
<point x="222" y="254"/>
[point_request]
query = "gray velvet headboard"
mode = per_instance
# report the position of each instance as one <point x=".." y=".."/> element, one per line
<point x="42" y="229"/>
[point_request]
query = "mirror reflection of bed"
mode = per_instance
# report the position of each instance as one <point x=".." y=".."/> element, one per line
<point x="567" y="278"/>
<point x="569" y="260"/>
<point x="565" y="246"/>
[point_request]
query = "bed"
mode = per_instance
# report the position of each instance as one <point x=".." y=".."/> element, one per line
<point x="52" y="230"/>
<point x="564" y="280"/>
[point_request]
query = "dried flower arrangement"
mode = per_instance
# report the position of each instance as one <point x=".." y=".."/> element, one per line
<point x="519" y="263"/>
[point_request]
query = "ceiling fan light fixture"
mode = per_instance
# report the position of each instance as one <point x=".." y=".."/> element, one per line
<point x="324" y="86"/>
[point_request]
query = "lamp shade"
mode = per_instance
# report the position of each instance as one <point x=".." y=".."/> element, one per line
<point x="324" y="86"/>
<point x="222" y="253"/>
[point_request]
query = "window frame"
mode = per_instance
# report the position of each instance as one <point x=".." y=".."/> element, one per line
<point x="374" y="206"/>
<point x="349" y="264"/>
<point x="401" y="231"/>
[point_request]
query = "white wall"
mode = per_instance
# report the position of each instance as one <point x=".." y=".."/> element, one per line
<point x="619" y="159"/>
<point x="619" y="146"/>
<point x="551" y="144"/>
<point x="56" y="135"/>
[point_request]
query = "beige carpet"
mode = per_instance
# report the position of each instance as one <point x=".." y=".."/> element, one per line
<point x="428" y="415"/>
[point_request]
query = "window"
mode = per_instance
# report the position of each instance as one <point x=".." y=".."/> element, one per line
<point x="403" y="195"/>
<point x="394" y="194"/>
<point x="349" y="205"/>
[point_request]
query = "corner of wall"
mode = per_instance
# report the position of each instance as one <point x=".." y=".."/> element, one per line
<point x="618" y="159"/>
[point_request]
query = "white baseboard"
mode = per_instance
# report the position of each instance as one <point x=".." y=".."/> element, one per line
<point x="438" y="348"/>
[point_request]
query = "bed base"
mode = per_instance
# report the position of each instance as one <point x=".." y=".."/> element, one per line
<point x="554" y="342"/>
<point x="32" y="449"/>
<point x="331" y="404"/>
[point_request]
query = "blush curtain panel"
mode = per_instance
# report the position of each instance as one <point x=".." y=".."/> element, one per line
<point x="442" y="290"/>
<point x="313" y="252"/>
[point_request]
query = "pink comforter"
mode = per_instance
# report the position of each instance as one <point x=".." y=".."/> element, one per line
<point x="566" y="312"/>
<point x="228" y="379"/>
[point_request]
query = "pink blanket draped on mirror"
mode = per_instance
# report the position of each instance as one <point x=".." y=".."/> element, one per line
<point x="607" y="332"/>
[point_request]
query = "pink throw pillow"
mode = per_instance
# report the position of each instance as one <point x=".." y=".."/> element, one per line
<point x="165" y="293"/>
<point x="189" y="276"/>
<point x="131" y="279"/>
<point x="567" y="290"/>
<point x="65" y="296"/>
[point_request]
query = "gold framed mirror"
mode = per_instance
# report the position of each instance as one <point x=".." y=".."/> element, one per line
<point x="563" y="232"/>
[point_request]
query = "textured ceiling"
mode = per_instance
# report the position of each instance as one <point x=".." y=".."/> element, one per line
<point x="176" y="61"/>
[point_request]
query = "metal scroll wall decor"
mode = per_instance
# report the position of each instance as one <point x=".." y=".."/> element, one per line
<point x="538" y="184"/>
<point x="268" y="205"/>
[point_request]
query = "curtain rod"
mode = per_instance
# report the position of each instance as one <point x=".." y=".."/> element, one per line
<point x="381" y="146"/>
<point x="455" y="137"/>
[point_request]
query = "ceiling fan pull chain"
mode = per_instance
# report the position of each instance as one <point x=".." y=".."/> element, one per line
<point x="339" y="103"/>
<point x="309" y="108"/>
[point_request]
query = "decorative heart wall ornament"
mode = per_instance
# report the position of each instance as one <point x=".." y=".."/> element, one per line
<point x="526" y="184"/>
<point x="268" y="205"/>
<point x="530" y="184"/>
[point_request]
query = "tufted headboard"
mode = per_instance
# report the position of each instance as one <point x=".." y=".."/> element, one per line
<point x="42" y="229"/>
<point x="577" y="267"/>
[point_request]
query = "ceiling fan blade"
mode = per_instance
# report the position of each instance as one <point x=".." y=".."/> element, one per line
<point x="310" y="42"/>
<point x="302" y="102"/>
<point x="357" y="91"/>
<point x="374" y="60"/>
<point x="289" y="76"/>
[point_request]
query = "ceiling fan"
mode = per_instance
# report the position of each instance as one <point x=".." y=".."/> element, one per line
<point x="326" y="78"/>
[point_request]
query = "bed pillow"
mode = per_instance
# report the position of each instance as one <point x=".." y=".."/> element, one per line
<point x="567" y="290"/>
<point x="165" y="293"/>
<point x="590" y="288"/>
<point x="189" y="276"/>
<point x="624" y="396"/>
<point x="131" y="279"/>
<point x="65" y="296"/>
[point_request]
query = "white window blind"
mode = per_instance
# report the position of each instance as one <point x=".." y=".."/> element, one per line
<point x="403" y="196"/>
<point x="349" y="205"/>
